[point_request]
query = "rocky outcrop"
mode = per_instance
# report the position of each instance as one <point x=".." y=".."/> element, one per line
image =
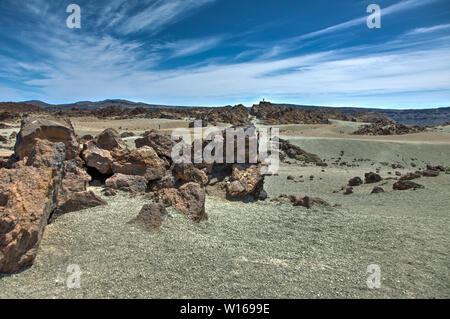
<point x="28" y="196"/>
<point x="45" y="129"/>
<point x="189" y="199"/>
<point x="97" y="158"/>
<point x="151" y="216"/>
<point x="280" y="114"/>
<point x="45" y="178"/>
<point x="293" y="151"/>
<point x="161" y="143"/>
<point x="245" y="180"/>
<point x="377" y="190"/>
<point x="387" y="129"/>
<point x="110" y="140"/>
<point x="142" y="162"/>
<point x="186" y="172"/>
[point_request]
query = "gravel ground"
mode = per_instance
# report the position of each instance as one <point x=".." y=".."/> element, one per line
<point x="262" y="249"/>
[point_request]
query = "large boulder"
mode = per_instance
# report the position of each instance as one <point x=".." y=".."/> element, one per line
<point x="189" y="199"/>
<point x="110" y="140"/>
<point x="47" y="154"/>
<point x="97" y="158"/>
<point x="151" y="216"/>
<point x="246" y="180"/>
<point x="55" y="131"/>
<point x="186" y="172"/>
<point x="127" y="183"/>
<point x="27" y="198"/>
<point x="142" y="162"/>
<point x="161" y="143"/>
<point x="76" y="179"/>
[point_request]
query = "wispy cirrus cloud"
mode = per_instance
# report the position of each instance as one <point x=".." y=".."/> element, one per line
<point x="435" y="28"/>
<point x="159" y="14"/>
<point x="122" y="52"/>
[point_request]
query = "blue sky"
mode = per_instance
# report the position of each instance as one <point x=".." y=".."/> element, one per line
<point x="219" y="52"/>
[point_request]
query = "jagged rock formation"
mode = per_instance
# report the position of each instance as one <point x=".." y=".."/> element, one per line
<point x="387" y="129"/>
<point x="43" y="179"/>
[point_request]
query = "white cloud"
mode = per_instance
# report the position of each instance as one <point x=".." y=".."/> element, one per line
<point x="429" y="29"/>
<point x="159" y="14"/>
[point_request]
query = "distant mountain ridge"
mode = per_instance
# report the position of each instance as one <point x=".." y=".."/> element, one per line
<point x="421" y="117"/>
<point x="88" y="105"/>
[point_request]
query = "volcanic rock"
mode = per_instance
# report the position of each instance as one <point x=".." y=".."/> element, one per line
<point x="161" y="143"/>
<point x="97" y="158"/>
<point x="55" y="131"/>
<point x="377" y="190"/>
<point x="151" y="216"/>
<point x="409" y="176"/>
<point x="404" y="185"/>
<point x="110" y="140"/>
<point x="186" y="172"/>
<point x="142" y="161"/>
<point x="127" y="183"/>
<point x="27" y="198"/>
<point x="355" y="181"/>
<point x="246" y="180"/>
<point x="189" y="199"/>
<point x="372" y="177"/>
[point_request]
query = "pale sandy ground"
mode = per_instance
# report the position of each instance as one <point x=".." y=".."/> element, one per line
<point x="264" y="250"/>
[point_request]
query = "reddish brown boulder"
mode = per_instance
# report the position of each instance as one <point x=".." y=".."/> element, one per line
<point x="54" y="131"/>
<point x="110" y="140"/>
<point x="142" y="161"/>
<point x="97" y="158"/>
<point x="47" y="154"/>
<point x="189" y="199"/>
<point x="167" y="181"/>
<point x="186" y="172"/>
<point x="27" y="198"/>
<point x="151" y="216"/>
<point x="246" y="180"/>
<point x="161" y="143"/>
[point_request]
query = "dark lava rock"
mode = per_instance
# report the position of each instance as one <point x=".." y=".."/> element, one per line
<point x="372" y="177"/>
<point x="355" y="181"/>
<point x="404" y="185"/>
